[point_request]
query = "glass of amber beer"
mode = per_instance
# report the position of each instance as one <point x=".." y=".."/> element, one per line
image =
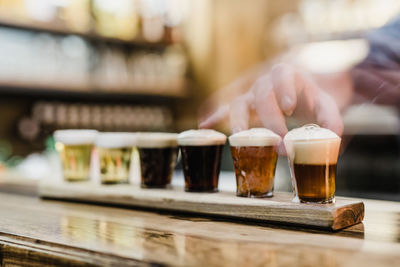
<point x="115" y="152"/>
<point x="254" y="154"/>
<point x="75" y="148"/>
<point x="158" y="153"/>
<point x="313" y="153"/>
<point x="201" y="159"/>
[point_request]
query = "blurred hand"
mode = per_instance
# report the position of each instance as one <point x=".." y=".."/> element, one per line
<point x="284" y="90"/>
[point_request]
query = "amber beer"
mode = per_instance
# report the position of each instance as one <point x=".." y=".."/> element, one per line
<point x="75" y="148"/>
<point x="254" y="154"/>
<point x="313" y="154"/>
<point x="315" y="183"/>
<point x="115" y="152"/>
<point x="158" y="153"/>
<point x="201" y="159"/>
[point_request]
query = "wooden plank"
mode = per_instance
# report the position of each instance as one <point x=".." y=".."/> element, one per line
<point x="279" y="209"/>
<point x="60" y="233"/>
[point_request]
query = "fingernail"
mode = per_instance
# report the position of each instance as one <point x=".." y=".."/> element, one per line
<point x="286" y="105"/>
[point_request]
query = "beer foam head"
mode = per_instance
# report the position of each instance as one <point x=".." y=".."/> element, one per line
<point x="157" y="140"/>
<point x="310" y="132"/>
<point x="202" y="137"/>
<point x="255" y="137"/>
<point x="75" y="136"/>
<point x="312" y="144"/>
<point x="115" y="140"/>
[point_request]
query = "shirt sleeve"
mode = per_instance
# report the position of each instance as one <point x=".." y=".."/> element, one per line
<point x="377" y="78"/>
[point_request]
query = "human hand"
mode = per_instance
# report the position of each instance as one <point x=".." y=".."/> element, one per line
<point x="284" y="90"/>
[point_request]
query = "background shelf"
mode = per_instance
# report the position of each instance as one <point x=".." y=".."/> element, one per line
<point x="52" y="29"/>
<point x="90" y="94"/>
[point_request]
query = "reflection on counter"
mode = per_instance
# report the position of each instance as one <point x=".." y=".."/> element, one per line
<point x="186" y="248"/>
<point x="79" y="228"/>
<point x="134" y="233"/>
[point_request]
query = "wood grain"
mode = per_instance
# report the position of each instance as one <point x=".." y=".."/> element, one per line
<point x="279" y="209"/>
<point x="35" y="232"/>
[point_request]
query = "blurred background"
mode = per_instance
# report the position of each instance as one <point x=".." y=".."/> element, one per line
<point x="147" y="65"/>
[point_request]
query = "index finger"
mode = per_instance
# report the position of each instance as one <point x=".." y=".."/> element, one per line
<point x="239" y="113"/>
<point x="267" y="107"/>
<point x="220" y="114"/>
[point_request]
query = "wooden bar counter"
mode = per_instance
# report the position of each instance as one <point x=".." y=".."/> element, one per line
<point x="37" y="232"/>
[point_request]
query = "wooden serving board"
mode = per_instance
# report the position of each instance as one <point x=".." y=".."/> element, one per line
<point x="278" y="209"/>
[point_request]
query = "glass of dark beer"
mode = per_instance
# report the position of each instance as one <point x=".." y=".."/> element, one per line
<point x="201" y="159"/>
<point x="313" y="153"/>
<point x="158" y="153"/>
<point x="75" y="149"/>
<point x="115" y="152"/>
<point x="254" y="154"/>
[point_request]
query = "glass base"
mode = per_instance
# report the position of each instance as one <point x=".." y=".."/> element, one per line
<point x="146" y="186"/>
<point x="318" y="201"/>
<point x="73" y="180"/>
<point x="110" y="182"/>
<point x="214" y="190"/>
<point x="252" y="195"/>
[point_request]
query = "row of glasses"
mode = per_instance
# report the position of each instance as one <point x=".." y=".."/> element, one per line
<point x="312" y="152"/>
<point x="157" y="153"/>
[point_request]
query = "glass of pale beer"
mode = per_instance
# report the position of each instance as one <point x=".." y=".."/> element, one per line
<point x="157" y="153"/>
<point x="75" y="148"/>
<point x="115" y="152"/>
<point x="313" y="153"/>
<point x="254" y="154"/>
<point x="201" y="152"/>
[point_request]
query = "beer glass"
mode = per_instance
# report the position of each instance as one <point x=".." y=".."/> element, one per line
<point x="75" y="148"/>
<point x="313" y="153"/>
<point x="157" y="153"/>
<point x="115" y="151"/>
<point x="254" y="154"/>
<point x="201" y="159"/>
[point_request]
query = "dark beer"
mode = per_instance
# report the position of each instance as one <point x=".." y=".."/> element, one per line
<point x="201" y="159"/>
<point x="254" y="170"/>
<point x="315" y="183"/>
<point x="313" y="154"/>
<point x="201" y="166"/>
<point x="157" y="154"/>
<point x="157" y="166"/>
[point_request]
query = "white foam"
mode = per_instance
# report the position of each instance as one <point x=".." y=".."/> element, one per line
<point x="318" y="152"/>
<point x="255" y="137"/>
<point x="115" y="140"/>
<point x="202" y="137"/>
<point x="75" y="136"/>
<point x="312" y="144"/>
<point x="310" y="132"/>
<point x="157" y="140"/>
